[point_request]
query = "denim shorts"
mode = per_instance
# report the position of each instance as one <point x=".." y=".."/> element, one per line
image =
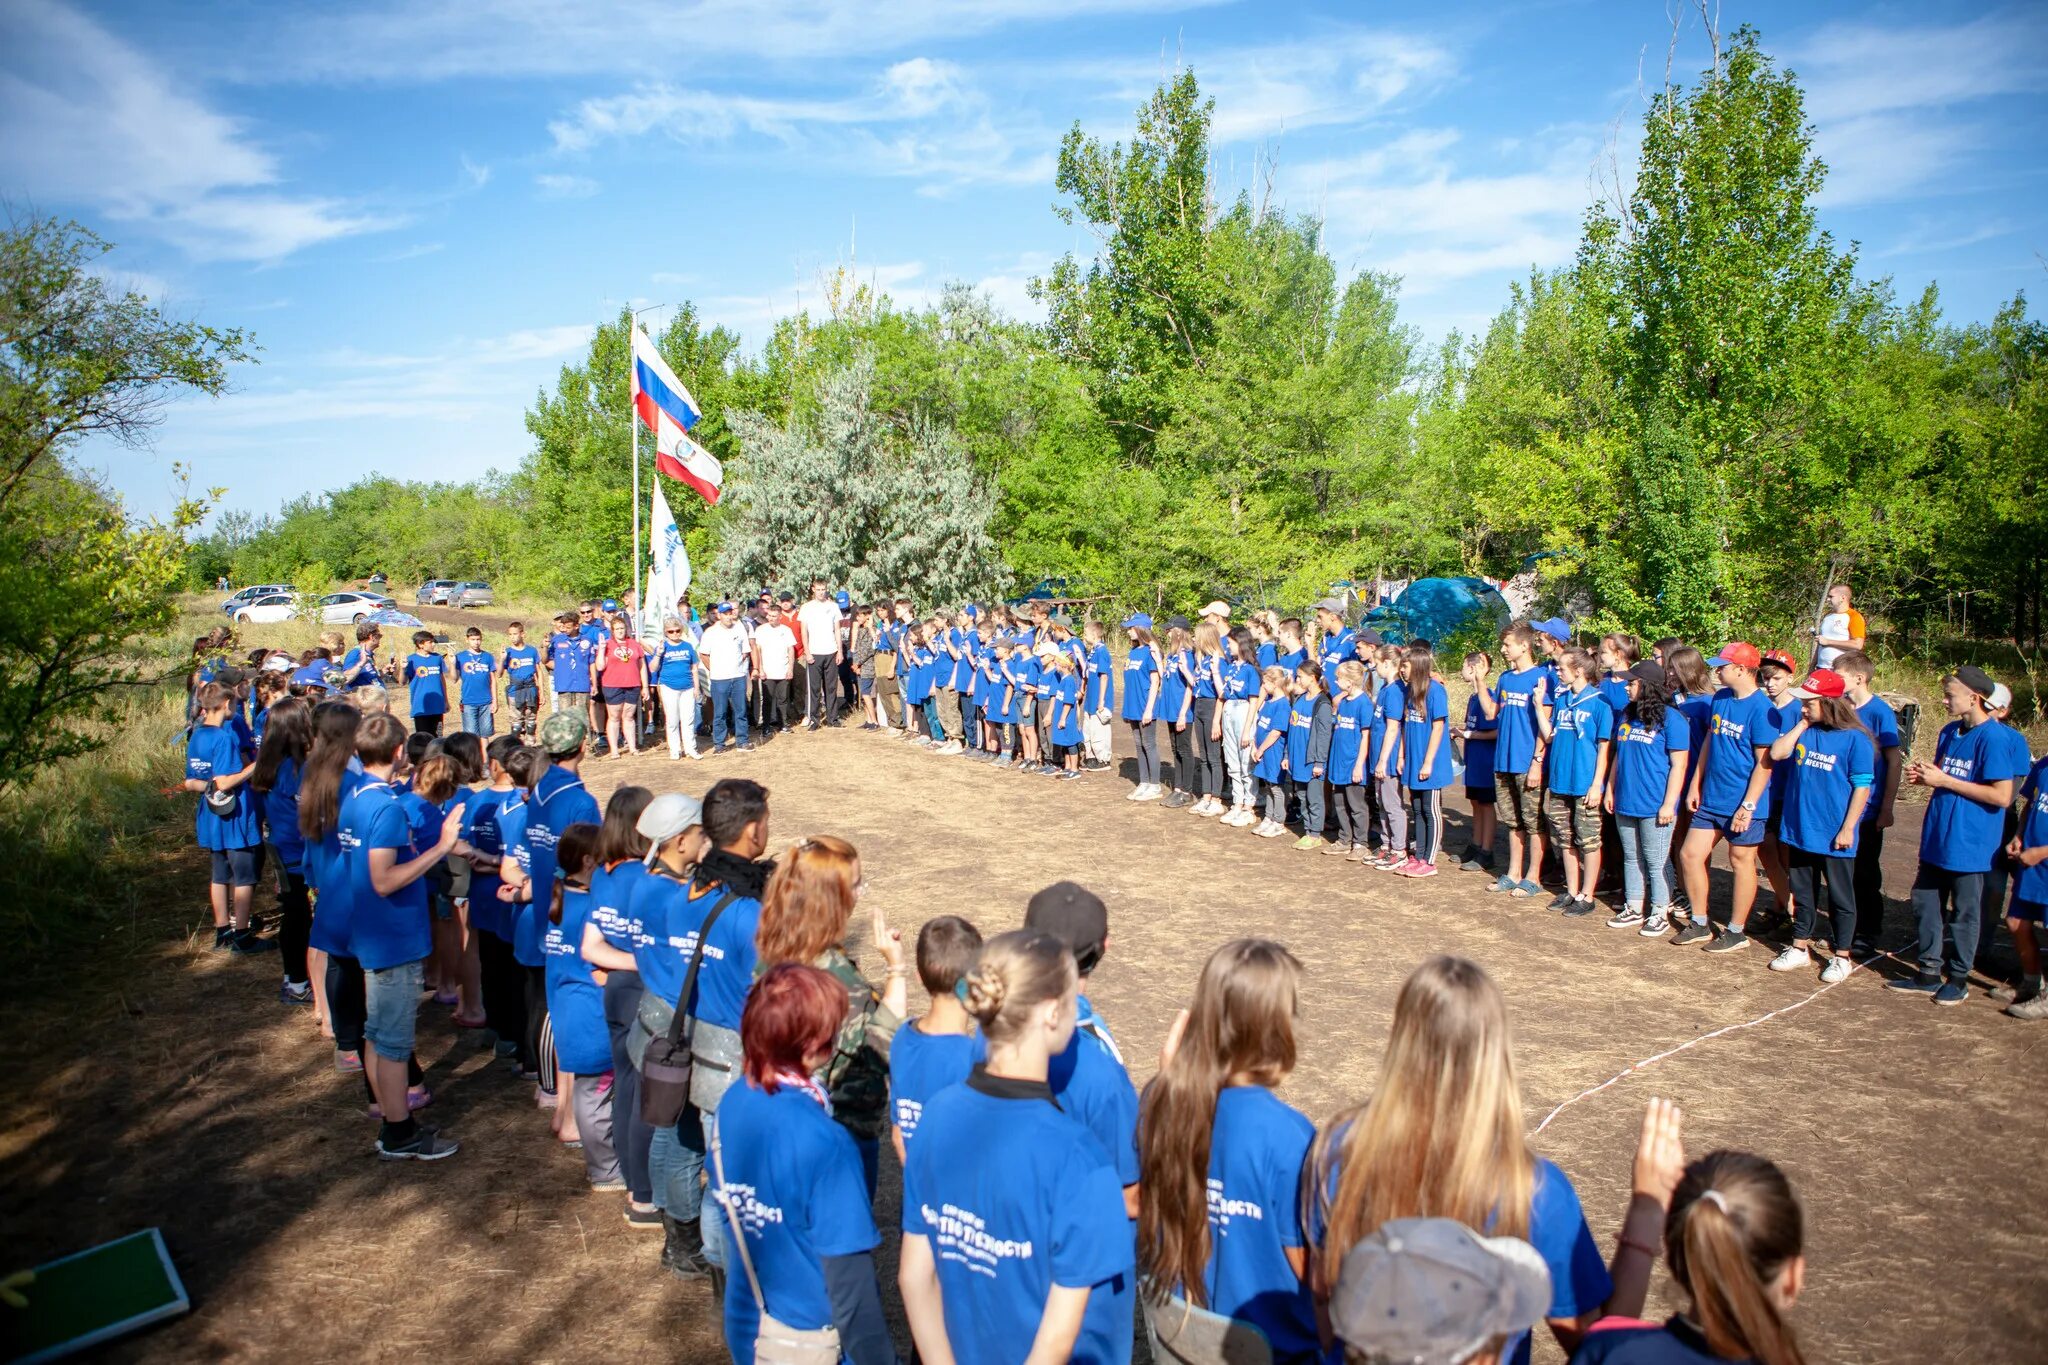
<point x="234" y="867"/>
<point x="622" y="696"/>
<point x="1749" y="838"/>
<point x="523" y="696"/>
<point x="391" y="1004"/>
<point x="867" y="686"/>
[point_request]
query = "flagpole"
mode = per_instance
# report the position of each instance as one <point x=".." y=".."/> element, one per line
<point x="632" y="422"/>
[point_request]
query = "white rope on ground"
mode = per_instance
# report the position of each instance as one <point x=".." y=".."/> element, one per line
<point x="1648" y="1062"/>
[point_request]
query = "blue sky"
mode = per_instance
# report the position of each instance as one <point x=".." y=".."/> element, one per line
<point x="421" y="207"/>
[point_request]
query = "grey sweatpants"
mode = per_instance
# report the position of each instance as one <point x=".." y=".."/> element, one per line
<point x="591" y="1097"/>
<point x="1393" y="814"/>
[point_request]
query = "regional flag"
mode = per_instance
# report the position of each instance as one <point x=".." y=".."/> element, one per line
<point x="666" y="408"/>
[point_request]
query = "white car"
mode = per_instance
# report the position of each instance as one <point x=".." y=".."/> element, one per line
<point x="267" y="610"/>
<point x="348" y="608"/>
<point x="249" y="595"/>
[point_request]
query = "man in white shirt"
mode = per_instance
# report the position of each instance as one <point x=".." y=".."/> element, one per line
<point x="728" y="662"/>
<point x="775" y="661"/>
<point x="819" y="621"/>
<point x="1841" y="628"/>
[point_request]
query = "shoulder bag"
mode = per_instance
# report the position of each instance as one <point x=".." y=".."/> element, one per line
<point x="775" y="1342"/>
<point x="665" y="1066"/>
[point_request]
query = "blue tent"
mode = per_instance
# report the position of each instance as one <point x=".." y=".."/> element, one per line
<point x="1438" y="608"/>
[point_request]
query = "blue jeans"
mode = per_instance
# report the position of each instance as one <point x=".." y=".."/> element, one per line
<point x="1947" y="900"/>
<point x="931" y="718"/>
<point x="391" y="1004"/>
<point x="476" y="720"/>
<point x="1645" y="859"/>
<point x="728" y="699"/>
<point x="675" y="1165"/>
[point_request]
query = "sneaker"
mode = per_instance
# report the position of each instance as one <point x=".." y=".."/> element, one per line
<point x="1071" y="775"/>
<point x="348" y="1063"/>
<point x="1151" y="791"/>
<point x="1656" y="926"/>
<point x="1914" y="985"/>
<point x="223" y="937"/>
<point x="2036" y="1008"/>
<point x="1729" y="940"/>
<point x="1470" y="861"/>
<point x="1240" y="818"/>
<point x="1418" y="868"/>
<point x="1337" y="850"/>
<point x="1177" y="800"/>
<point x="245" y="943"/>
<point x="301" y="994"/>
<point x="2017" y="995"/>
<point x="1581" y="907"/>
<point x="1561" y="901"/>
<point x="746" y="748"/>
<point x="647" y="1219"/>
<point x="1629" y="917"/>
<point x="1272" y="829"/>
<point x="1001" y="762"/>
<point x="1693" y="932"/>
<point x="1360" y="853"/>
<point x="1792" y="960"/>
<point x="1309" y="843"/>
<point x="1952" y="993"/>
<point x="1209" y="809"/>
<point x="1838" y="969"/>
<point x="426" y="1144"/>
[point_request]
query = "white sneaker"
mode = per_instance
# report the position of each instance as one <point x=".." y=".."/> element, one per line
<point x="1838" y="968"/>
<point x="1238" y="818"/>
<point x="1272" y="829"/>
<point x="1135" y="794"/>
<point x="1151" y="792"/>
<point x="1210" y="809"/>
<point x="1791" y="960"/>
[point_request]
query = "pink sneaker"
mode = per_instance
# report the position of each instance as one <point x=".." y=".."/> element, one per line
<point x="1418" y="868"/>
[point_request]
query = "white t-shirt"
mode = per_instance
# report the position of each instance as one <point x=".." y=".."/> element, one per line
<point x="820" y="621"/>
<point x="1833" y="626"/>
<point x="777" y="644"/>
<point x="724" y="651"/>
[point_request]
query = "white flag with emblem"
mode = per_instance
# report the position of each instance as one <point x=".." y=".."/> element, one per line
<point x="668" y="576"/>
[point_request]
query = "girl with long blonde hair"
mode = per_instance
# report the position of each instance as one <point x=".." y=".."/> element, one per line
<point x="1208" y="720"/>
<point x="805" y="912"/>
<point x="1443" y="1136"/>
<point x="1220" y="1155"/>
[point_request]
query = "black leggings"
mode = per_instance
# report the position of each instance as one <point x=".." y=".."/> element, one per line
<point x="1184" y="777"/>
<point x="346" y="1008"/>
<point x="1807" y="872"/>
<point x="631" y="1135"/>
<point x="1146" y="736"/>
<point x="540" y="1034"/>
<point x="1211" y="750"/>
<point x="295" y="922"/>
<point x="504" y="983"/>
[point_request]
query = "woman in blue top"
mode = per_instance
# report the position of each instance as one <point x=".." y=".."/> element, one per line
<point x="1177" y="710"/>
<point x="287" y="739"/>
<point x="788" y="1181"/>
<point x="1266" y="748"/>
<point x="1425" y="759"/>
<point x="1444" y="1136"/>
<point x="583" y="1048"/>
<point x="1829" y="761"/>
<point x="1141" y="704"/>
<point x="1735" y="1240"/>
<point x="1206" y="663"/>
<point x="324" y="783"/>
<point x="1477" y="736"/>
<point x="1016" y="1245"/>
<point x="217" y="761"/>
<point x="1221" y="1156"/>
<point x="675" y="678"/>
<point x="1651" y="741"/>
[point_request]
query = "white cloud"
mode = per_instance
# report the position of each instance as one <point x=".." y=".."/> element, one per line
<point x="411" y="253"/>
<point x="90" y="120"/>
<point x="565" y="186"/>
<point x="474" y="176"/>
<point x="1336" y="79"/>
<point x="1926" y="238"/>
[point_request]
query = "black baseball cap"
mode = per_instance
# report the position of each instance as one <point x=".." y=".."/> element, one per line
<point x="1976" y="679"/>
<point x="1076" y="917"/>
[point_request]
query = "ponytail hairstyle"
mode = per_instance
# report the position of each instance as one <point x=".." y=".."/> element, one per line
<point x="287" y="734"/>
<point x="334" y="744"/>
<point x="575" y="852"/>
<point x="809" y="899"/>
<point x="1240" y="1030"/>
<point x="1653" y="695"/>
<point x="1351" y="673"/>
<point x="1014" y="974"/>
<point x="1688" y="670"/>
<point x="1579" y="661"/>
<point x="1389" y="654"/>
<point x="1308" y="681"/>
<point x="1178" y="640"/>
<point x="435" y="778"/>
<point x="1273" y="677"/>
<point x="1265" y="625"/>
<point x="1421" y="664"/>
<point x="1627" y="648"/>
<point x="619" y="839"/>
<point x="1734" y="1226"/>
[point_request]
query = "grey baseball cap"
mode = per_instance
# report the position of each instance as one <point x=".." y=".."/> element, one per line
<point x="1430" y="1291"/>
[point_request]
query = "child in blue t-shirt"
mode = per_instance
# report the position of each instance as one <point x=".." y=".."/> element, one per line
<point x="1266" y="748"/>
<point x="1829" y="763"/>
<point x="1390" y="706"/>
<point x="1581" y="747"/>
<point x="522" y="679"/>
<point x="931" y="1053"/>
<point x="218" y="764"/>
<point x="1350" y="728"/>
<point x="1425" y="758"/>
<point x="1310" y="724"/>
<point x="1476" y="740"/>
<point x="1519" y="707"/>
<point x="477" y="671"/>
<point x="2024" y="915"/>
<point x="425" y="673"/>
<point x="1066" y="715"/>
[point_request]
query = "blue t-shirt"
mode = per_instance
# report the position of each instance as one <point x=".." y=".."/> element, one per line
<point x="1100" y="666"/>
<point x="426" y="676"/>
<point x="1066" y="715"/>
<point x="1206" y="667"/>
<point x="793" y="1183"/>
<point x="1389" y="708"/>
<point x="384" y="931"/>
<point x="962" y="643"/>
<point x="598" y="634"/>
<point x="327" y="872"/>
<point x="1643" y="758"/>
<point x="729" y="957"/>
<point x="1677" y="1342"/>
<point x="1958" y="834"/>
<point x="1736" y="728"/>
<point x="1580" y="723"/>
<point x="1614" y="691"/>
<point x="281" y="815"/>
<point x="521" y="663"/>
<point x="1091" y="1083"/>
<point x="1257" y="1149"/>
<point x="475" y="667"/>
<point x="480" y="832"/>
<point x="1521" y="694"/>
<point x="1141" y="666"/>
<point x="675" y="665"/>
<point x="1350" y="724"/>
<point x="665" y="922"/>
<point x="219" y="751"/>
<point x="1292" y="660"/>
<point x="1176" y="688"/>
<point x="1334" y="650"/>
<point x="583" y="1042"/>
<point x="559" y="800"/>
<point x="359" y="669"/>
<point x="1015" y="1197"/>
<point x="1883" y="723"/>
<point x="1416" y="723"/>
<point x="1788" y="716"/>
<point x="2031" y="883"/>
<point x="1821" y="776"/>
<point x="611" y="902"/>
<point x="511" y="819"/>
<point x="1271" y="724"/>
<point x="569" y="660"/>
<point x="1301" y="724"/>
<point x="920" y="1066"/>
<point x="1479" y="746"/>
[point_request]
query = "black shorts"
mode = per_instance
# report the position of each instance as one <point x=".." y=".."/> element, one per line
<point x="1480" y="796"/>
<point x="622" y="696"/>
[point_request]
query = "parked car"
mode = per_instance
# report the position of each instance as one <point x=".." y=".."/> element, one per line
<point x="249" y="595"/>
<point x="347" y="608"/>
<point x="434" y="592"/>
<point x="268" y="610"/>
<point x="392" y="616"/>
<point x="377" y="580"/>
<point x="470" y="593"/>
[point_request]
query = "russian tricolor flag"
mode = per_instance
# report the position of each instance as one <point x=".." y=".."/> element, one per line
<point x="667" y="409"/>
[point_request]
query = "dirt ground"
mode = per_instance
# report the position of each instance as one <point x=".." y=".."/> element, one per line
<point x="178" y="1093"/>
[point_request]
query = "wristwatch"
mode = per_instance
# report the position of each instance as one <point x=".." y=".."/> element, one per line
<point x="1749" y="806"/>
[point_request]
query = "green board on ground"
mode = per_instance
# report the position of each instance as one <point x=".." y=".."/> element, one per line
<point x="89" y="1297"/>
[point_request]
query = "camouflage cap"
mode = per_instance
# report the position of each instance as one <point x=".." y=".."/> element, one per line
<point x="563" y="733"/>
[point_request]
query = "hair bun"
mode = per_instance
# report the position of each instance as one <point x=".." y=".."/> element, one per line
<point x="986" y="991"/>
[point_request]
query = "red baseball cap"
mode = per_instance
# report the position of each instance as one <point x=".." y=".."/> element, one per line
<point x="1781" y="659"/>
<point x="1737" y="652"/>
<point x="1822" y="682"/>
